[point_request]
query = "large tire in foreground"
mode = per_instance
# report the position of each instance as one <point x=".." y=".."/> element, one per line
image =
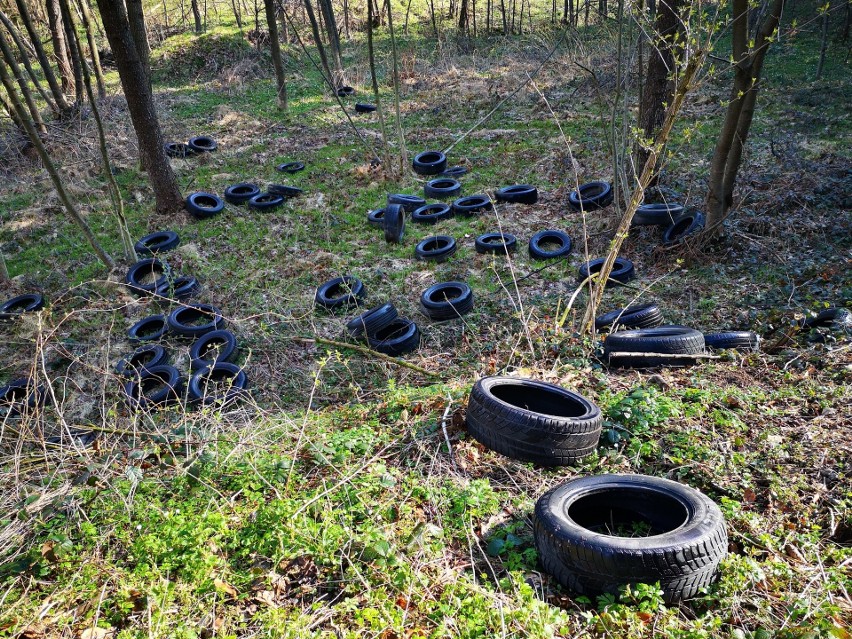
<point x="533" y="421"/>
<point x="586" y="531"/>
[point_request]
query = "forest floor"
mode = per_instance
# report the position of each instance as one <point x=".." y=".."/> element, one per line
<point x="346" y="498"/>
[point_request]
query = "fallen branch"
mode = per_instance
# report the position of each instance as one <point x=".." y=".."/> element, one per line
<point x="366" y="351"/>
<point x="670" y="355"/>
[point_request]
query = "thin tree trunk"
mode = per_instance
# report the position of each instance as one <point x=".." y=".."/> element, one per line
<point x="51" y="169"/>
<point x="73" y="51"/>
<point x="505" y="20"/>
<point x="25" y="59"/>
<point x="237" y="15"/>
<point x="379" y="109"/>
<point x="86" y="12"/>
<point x="407" y="13"/>
<point x="346" y="18"/>
<point x="432" y="13"/>
<point x="13" y="115"/>
<point x="275" y="51"/>
<point x="327" y="12"/>
<point x="824" y="42"/>
<point x="60" y="46"/>
<point x="403" y="153"/>
<point x="9" y="56"/>
<point x="136" y="20"/>
<point x="463" y="16"/>
<point x="196" y="15"/>
<point x="140" y="103"/>
<point x="320" y="48"/>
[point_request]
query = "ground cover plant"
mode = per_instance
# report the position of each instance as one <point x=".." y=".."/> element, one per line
<point x="345" y="497"/>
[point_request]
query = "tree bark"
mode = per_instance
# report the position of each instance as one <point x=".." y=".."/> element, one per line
<point x="140" y="103"/>
<point x="136" y="20"/>
<point x="60" y="46"/>
<point x="463" y="26"/>
<point x="375" y="82"/>
<point x="196" y="14"/>
<point x="25" y="60"/>
<point x="823" y="42"/>
<point x="73" y="51"/>
<point x="86" y="12"/>
<point x="320" y="48"/>
<point x="333" y="39"/>
<point x="403" y="153"/>
<point x="275" y="51"/>
<point x="9" y="57"/>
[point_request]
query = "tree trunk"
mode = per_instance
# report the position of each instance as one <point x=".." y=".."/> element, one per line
<point x="375" y="82"/>
<point x="140" y="103"/>
<point x="505" y="20"/>
<point x="196" y="14"/>
<point x="463" y="17"/>
<point x="237" y="15"/>
<point x="73" y="51"/>
<point x="659" y="81"/>
<point x="86" y="12"/>
<point x="275" y="51"/>
<point x="139" y="30"/>
<point x="403" y="154"/>
<point x="9" y="56"/>
<point x="25" y="60"/>
<point x="824" y="41"/>
<point x="432" y="13"/>
<point x="320" y="48"/>
<point x="333" y="39"/>
<point x="60" y="46"/>
<point x="49" y="76"/>
<point x="748" y="65"/>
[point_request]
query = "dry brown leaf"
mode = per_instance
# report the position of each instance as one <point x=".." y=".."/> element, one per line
<point x="225" y="587"/>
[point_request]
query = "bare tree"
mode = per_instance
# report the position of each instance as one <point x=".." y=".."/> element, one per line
<point x="823" y="39"/>
<point x="748" y="55"/>
<point x="333" y="38"/>
<point x="196" y="15"/>
<point x="60" y="46"/>
<point x="25" y="60"/>
<point x="86" y="13"/>
<point x="73" y="51"/>
<point x="275" y="51"/>
<point x="9" y="57"/>
<point x="140" y="103"/>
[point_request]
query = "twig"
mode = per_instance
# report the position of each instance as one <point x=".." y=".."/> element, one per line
<point x="446" y="435"/>
<point x="366" y="351"/>
<point x="671" y="355"/>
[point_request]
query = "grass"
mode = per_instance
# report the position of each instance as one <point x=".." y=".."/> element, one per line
<point x="347" y="499"/>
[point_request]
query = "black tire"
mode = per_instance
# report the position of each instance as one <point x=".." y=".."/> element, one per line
<point x="409" y="203"/>
<point x="241" y="193"/>
<point x="454" y="171"/>
<point x="436" y="248"/>
<point x="17" y="306"/>
<point x="657" y="214"/>
<point x="572" y="532"/>
<point x="446" y="301"/>
<point x="148" y="329"/>
<point x="79" y="438"/>
<point x="551" y="236"/>
<point x="431" y="213"/>
<point x="372" y="321"/>
<point x="498" y="243"/>
<point x="202" y="144"/>
<point x="177" y="150"/>
<point x="185" y="287"/>
<point x="340" y="292"/>
<point x="237" y="388"/>
<point x="734" y="340"/>
<point x="394" y="223"/>
<point x="182" y="320"/>
<point x="376" y="217"/>
<point x="591" y="196"/>
<point x="644" y="316"/>
<point x="533" y="421"/>
<point x="157" y="242"/>
<point x="202" y="205"/>
<point x="828" y="317"/>
<point x="675" y="340"/>
<point x="442" y="188"/>
<point x="212" y="347"/>
<point x="143" y="357"/>
<point x="361" y="107"/>
<point x="397" y="338"/>
<point x="472" y="204"/>
<point x="429" y="163"/>
<point x="150" y="266"/>
<point x="518" y="194"/>
<point x="345" y="91"/>
<point x="20" y="396"/>
<point x="154" y="386"/>
<point x="285" y="191"/>
<point x="622" y="271"/>
<point x="265" y="201"/>
<point x="290" y="167"/>
<point x="682" y="228"/>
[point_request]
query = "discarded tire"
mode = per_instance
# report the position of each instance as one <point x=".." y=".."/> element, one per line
<point x="394" y="223"/>
<point x="177" y="150"/>
<point x="265" y="201"/>
<point x="17" y="306"/>
<point x="499" y="243"/>
<point x="591" y="196"/>
<point x="241" y="193"/>
<point x="146" y="356"/>
<point x="644" y="316"/>
<point x="202" y="144"/>
<point x="203" y="205"/>
<point x="290" y="167"/>
<point x="147" y="276"/>
<point x="587" y="534"/>
<point x="559" y="239"/>
<point x="399" y="337"/>
<point x="657" y="214"/>
<point x="828" y="317"/>
<point x="219" y="383"/>
<point x="340" y="292"/>
<point x="446" y="301"/>
<point x="408" y="203"/>
<point x="518" y="194"/>
<point x="682" y="228"/>
<point x="194" y="320"/>
<point x="437" y="248"/>
<point x="345" y="91"/>
<point x="661" y="340"/>
<point x="442" y="188"/>
<point x="733" y="340"/>
<point x="376" y="217"/>
<point x="429" y="163"/>
<point x="148" y="329"/>
<point x="20" y="396"/>
<point x="212" y="347"/>
<point x="533" y="421"/>
<point x="372" y="321"/>
<point x="155" y="386"/>
<point x="285" y="191"/>
<point x="454" y="171"/>
<point x="431" y="213"/>
<point x="471" y="205"/>
<point x="622" y="271"/>
<point x="185" y="287"/>
<point x="361" y="107"/>
<point x="157" y="242"/>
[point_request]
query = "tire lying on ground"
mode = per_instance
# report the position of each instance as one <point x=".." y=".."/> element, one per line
<point x="442" y="188"/>
<point x="393" y="223"/>
<point x="397" y="338"/>
<point x="157" y="242"/>
<point x="431" y="213"/>
<point x="345" y="91"/>
<point x="446" y="301"/>
<point x="682" y="228"/>
<point x="265" y="201"/>
<point x="661" y="340"/>
<point x="202" y="205"/>
<point x="518" y="194"/>
<point x="372" y="321"/>
<point x="472" y="204"/>
<point x="290" y="167"/>
<point x="622" y="271"/>
<point x="148" y="329"/>
<point x="436" y="248"/>
<point x="155" y="386"/>
<point x="202" y="144"/>
<point x="591" y="196"/>
<point x="241" y="193"/>
<point x="499" y="243"/>
<point x="177" y="150"/>
<point x="429" y="163"/>
<point x="213" y="347"/>
<point x="218" y="383"/>
<point x="586" y="534"/>
<point x="560" y="240"/>
<point x="150" y="267"/>
<point x="362" y="107"/>
<point x="340" y="292"/>
<point x="644" y="316"/>
<point x="409" y="203"/>
<point x="195" y="320"/>
<point x="657" y="214"/>
<point x="184" y="287"/>
<point x="142" y="358"/>
<point x="19" y="396"/>
<point x="533" y="421"/>
<point x="735" y="340"/>
<point x="27" y="303"/>
<point x="832" y="316"/>
<point x="376" y="217"/>
<point x="284" y="190"/>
